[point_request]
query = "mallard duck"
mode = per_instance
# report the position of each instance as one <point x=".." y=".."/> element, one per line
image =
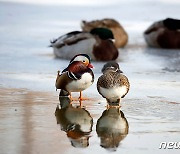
<point x="112" y="127"/>
<point x="112" y="85"/>
<point x="164" y="34"/>
<point x="77" y="77"/>
<point x="120" y="35"/>
<point x="97" y="44"/>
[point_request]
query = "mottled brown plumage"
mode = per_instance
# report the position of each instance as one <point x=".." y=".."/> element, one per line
<point x="120" y="35"/>
<point x="112" y="79"/>
<point x="113" y="85"/>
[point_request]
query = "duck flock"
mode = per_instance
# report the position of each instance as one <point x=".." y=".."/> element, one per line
<point x="99" y="40"/>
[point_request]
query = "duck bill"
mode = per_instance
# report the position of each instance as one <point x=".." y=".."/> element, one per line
<point x="90" y="65"/>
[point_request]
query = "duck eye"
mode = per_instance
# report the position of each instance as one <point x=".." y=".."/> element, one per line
<point x="83" y="61"/>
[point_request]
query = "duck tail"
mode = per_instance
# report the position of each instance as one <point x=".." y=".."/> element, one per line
<point x="58" y="75"/>
<point x="50" y="45"/>
<point x="52" y="42"/>
<point x="83" y="22"/>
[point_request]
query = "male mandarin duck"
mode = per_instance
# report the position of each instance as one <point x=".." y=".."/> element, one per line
<point x="120" y="35"/>
<point x="97" y="44"/>
<point x="164" y="34"/>
<point x="77" y="77"/>
<point x="112" y="85"/>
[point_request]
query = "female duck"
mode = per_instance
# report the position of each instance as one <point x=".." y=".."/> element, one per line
<point x="97" y="44"/>
<point x="120" y="35"/>
<point x="112" y="85"/>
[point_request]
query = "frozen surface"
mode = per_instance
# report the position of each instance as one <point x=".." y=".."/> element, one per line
<point x="28" y="70"/>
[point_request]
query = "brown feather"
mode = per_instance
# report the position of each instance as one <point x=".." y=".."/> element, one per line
<point x="62" y="81"/>
<point x="112" y="79"/>
<point x="77" y="66"/>
<point x="105" y="51"/>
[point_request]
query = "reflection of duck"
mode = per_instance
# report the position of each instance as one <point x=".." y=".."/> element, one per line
<point x="113" y="85"/>
<point x="119" y="33"/>
<point x="96" y="43"/>
<point x="76" y="122"/>
<point x="164" y="34"/>
<point x="112" y="127"/>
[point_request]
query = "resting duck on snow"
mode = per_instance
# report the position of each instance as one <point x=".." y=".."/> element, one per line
<point x="120" y="35"/>
<point x="164" y="34"/>
<point x="97" y="44"/>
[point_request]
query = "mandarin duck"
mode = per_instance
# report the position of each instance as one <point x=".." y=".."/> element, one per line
<point x="77" y="77"/>
<point x="76" y="122"/>
<point x="112" y="85"/>
<point x="97" y="44"/>
<point x="120" y="35"/>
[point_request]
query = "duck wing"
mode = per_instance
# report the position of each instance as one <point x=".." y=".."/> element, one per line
<point x="112" y="80"/>
<point x="62" y="80"/>
<point x="70" y="38"/>
<point x="121" y="80"/>
<point x="104" y="81"/>
<point x="65" y="36"/>
<point x="76" y="69"/>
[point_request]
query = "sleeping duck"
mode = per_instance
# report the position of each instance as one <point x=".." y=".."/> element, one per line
<point x="97" y="44"/>
<point x="164" y="34"/>
<point x="120" y="35"/>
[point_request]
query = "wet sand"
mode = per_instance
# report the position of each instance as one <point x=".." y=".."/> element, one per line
<point x="30" y="121"/>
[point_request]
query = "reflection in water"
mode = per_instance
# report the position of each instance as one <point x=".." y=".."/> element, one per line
<point x="75" y="121"/>
<point x="112" y="127"/>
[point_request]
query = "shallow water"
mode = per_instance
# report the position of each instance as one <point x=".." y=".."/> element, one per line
<point x="28" y="100"/>
<point x="29" y="124"/>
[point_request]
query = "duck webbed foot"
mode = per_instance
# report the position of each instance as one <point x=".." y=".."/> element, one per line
<point x="82" y="98"/>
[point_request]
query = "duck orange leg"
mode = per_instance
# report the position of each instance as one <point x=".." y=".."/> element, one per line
<point x="81" y="98"/>
<point x="70" y="97"/>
